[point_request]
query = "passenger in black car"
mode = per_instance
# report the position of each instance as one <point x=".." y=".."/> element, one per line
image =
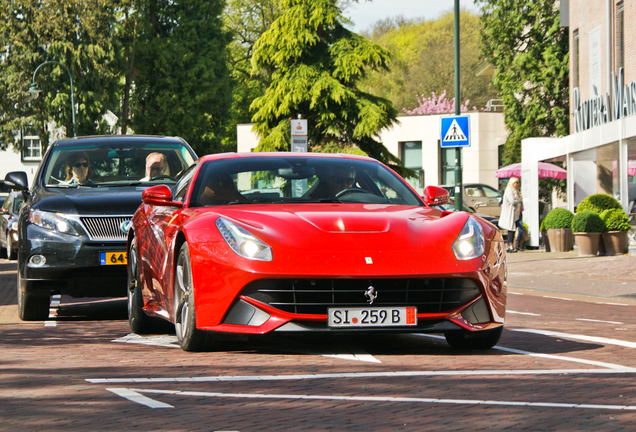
<point x="78" y="169"/>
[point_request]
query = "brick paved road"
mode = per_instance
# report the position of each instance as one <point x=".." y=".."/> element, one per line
<point x="562" y="364"/>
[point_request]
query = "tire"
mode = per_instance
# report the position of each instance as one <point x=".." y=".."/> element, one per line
<point x="31" y="307"/>
<point x="473" y="340"/>
<point x="139" y="322"/>
<point x="190" y="338"/>
<point x="11" y="254"/>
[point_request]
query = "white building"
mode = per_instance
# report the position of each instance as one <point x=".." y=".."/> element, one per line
<point x="415" y="140"/>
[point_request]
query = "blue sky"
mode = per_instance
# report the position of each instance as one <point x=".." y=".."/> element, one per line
<point x="365" y="13"/>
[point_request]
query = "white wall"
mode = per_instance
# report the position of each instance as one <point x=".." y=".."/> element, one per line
<point x="10" y="160"/>
<point x="480" y="161"/>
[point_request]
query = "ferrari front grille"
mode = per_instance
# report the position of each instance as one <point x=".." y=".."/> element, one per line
<point x="314" y="296"/>
<point x="106" y="227"/>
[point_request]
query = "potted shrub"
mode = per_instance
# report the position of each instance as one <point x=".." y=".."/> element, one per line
<point x="587" y="227"/>
<point x="617" y="225"/>
<point x="597" y="203"/>
<point x="558" y="224"/>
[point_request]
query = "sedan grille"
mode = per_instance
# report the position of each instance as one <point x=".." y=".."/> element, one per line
<point x="314" y="296"/>
<point x="106" y="228"/>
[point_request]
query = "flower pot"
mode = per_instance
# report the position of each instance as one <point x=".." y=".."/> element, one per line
<point x="546" y="240"/>
<point x="615" y="242"/>
<point x="588" y="243"/>
<point x="561" y="239"/>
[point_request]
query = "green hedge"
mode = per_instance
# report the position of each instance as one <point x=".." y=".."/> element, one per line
<point x="558" y="218"/>
<point x="597" y="203"/>
<point x="587" y="221"/>
<point x="615" y="220"/>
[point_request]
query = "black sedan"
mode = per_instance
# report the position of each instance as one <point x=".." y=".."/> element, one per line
<point x="74" y="222"/>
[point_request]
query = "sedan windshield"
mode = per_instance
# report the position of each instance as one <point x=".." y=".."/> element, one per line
<point x="102" y="164"/>
<point x="299" y="180"/>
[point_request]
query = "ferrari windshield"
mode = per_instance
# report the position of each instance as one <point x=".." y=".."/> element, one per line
<point x="298" y="179"/>
<point x="110" y="163"/>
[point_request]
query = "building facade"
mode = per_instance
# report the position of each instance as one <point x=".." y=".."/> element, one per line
<point x="600" y="152"/>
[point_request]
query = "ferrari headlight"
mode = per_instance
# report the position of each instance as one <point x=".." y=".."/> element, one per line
<point x="53" y="221"/>
<point x="470" y="242"/>
<point x="242" y="242"/>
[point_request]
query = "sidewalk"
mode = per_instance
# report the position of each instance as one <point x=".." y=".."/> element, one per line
<point x="612" y="278"/>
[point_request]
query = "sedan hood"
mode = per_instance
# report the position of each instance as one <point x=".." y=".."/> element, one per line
<point x="89" y="201"/>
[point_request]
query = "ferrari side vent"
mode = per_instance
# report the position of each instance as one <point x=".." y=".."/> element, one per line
<point x="106" y="227"/>
<point x="314" y="296"/>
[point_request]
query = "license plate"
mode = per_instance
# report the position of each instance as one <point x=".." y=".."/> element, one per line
<point x="372" y="317"/>
<point x="113" y="258"/>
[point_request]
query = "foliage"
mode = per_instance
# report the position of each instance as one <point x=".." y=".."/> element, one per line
<point x="182" y="83"/>
<point x="558" y="218"/>
<point x="78" y="34"/>
<point x="598" y="202"/>
<point x="615" y="220"/>
<point x="246" y="20"/>
<point x="423" y="60"/>
<point x="587" y="221"/>
<point x="317" y="64"/>
<point x="524" y="41"/>
<point x="435" y="105"/>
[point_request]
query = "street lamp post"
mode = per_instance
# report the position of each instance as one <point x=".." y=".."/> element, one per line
<point x="34" y="90"/>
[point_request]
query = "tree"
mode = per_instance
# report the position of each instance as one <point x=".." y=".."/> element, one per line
<point x="78" y="34"/>
<point x="317" y="65"/>
<point x="182" y="84"/>
<point x="422" y="53"/>
<point x="524" y="41"/>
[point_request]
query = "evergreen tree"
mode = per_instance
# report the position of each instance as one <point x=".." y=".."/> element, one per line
<point x="182" y="84"/>
<point x="523" y="39"/>
<point x="317" y="64"/>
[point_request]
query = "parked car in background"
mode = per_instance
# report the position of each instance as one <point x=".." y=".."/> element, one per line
<point x="450" y="206"/>
<point x="9" y="224"/>
<point x="481" y="198"/>
<point x="75" y="218"/>
<point x="309" y="242"/>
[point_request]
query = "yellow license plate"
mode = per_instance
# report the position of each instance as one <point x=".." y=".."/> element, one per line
<point x="113" y="258"/>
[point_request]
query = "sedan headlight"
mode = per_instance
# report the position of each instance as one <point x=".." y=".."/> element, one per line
<point x="242" y="242"/>
<point x="470" y="242"/>
<point x="53" y="221"/>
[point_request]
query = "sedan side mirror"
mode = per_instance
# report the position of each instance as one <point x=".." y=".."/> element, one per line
<point x="435" y="195"/>
<point x="159" y="195"/>
<point x="17" y="180"/>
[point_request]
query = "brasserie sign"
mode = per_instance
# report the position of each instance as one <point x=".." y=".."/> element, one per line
<point x="597" y="110"/>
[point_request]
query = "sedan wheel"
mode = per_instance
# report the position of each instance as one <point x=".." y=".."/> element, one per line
<point x="140" y="323"/>
<point x="190" y="338"/>
<point x="473" y="340"/>
<point x="31" y="307"/>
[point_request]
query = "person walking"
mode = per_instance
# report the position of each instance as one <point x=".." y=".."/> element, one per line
<point x="511" y="211"/>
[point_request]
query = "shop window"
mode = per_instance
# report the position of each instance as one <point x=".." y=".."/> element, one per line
<point x="411" y="152"/>
<point x="31" y="148"/>
<point x="449" y="165"/>
<point x="620" y="35"/>
<point x="575" y="60"/>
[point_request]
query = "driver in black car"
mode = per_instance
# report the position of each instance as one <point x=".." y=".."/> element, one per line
<point x="156" y="165"/>
<point x="336" y="180"/>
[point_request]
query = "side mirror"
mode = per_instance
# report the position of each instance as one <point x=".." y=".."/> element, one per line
<point x="17" y="180"/>
<point x="4" y="210"/>
<point x="159" y="195"/>
<point x="436" y="195"/>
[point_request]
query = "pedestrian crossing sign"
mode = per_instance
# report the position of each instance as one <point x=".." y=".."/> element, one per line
<point x="455" y="131"/>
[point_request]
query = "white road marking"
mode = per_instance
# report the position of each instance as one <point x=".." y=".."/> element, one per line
<point x="522" y="313"/>
<point x="377" y="399"/>
<point x="167" y="341"/>
<point x="599" y="321"/>
<point x="612" y="304"/>
<point x="515" y="293"/>
<point x="365" y="375"/>
<point x="596" y="339"/>
<point x="53" y="306"/>
<point x="558" y="298"/>
<point x="133" y="396"/>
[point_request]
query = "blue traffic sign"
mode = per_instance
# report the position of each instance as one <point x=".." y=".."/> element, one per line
<point x="455" y="131"/>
